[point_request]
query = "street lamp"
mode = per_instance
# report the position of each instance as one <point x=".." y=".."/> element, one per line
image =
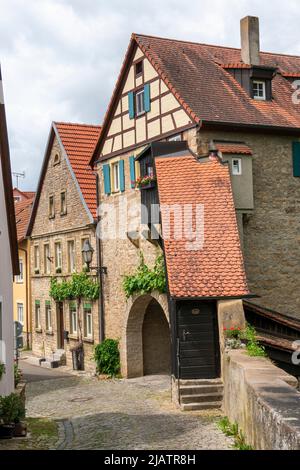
<point x="87" y="254"/>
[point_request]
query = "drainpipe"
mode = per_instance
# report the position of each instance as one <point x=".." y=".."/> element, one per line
<point x="100" y="270"/>
<point x="27" y="296"/>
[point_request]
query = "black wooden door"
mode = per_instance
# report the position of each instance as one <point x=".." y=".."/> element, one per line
<point x="198" y="340"/>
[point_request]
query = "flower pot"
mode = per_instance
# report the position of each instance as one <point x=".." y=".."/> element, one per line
<point x="6" y="431"/>
<point x="149" y="185"/>
<point x="20" y="429"/>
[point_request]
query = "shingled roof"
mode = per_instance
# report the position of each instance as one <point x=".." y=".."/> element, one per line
<point x="79" y="141"/>
<point x="199" y="78"/>
<point x="23" y="212"/>
<point x="198" y="74"/>
<point x="216" y="269"/>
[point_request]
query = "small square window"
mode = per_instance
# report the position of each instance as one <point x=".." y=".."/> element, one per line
<point x="139" y="102"/>
<point x="259" y="90"/>
<point x="139" y="68"/>
<point x="236" y="166"/>
<point x="175" y="138"/>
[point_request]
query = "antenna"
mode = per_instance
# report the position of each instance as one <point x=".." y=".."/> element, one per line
<point x="18" y="176"/>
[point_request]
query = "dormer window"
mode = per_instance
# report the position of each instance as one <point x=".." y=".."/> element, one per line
<point x="259" y="90"/>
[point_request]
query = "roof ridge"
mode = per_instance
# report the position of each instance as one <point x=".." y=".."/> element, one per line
<point x="213" y="45"/>
<point x="98" y="126"/>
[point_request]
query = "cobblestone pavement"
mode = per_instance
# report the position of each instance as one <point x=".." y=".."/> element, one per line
<point x="121" y="414"/>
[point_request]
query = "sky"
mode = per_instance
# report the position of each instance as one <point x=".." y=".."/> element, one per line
<point x="60" y="58"/>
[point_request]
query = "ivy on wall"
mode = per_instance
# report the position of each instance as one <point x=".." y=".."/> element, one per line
<point x="146" y="280"/>
<point x="80" y="286"/>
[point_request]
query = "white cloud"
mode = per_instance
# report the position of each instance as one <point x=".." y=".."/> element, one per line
<point x="60" y="58"/>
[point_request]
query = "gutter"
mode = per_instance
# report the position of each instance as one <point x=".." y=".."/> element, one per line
<point x="27" y="296"/>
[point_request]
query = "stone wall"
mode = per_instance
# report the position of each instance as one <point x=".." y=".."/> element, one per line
<point x="271" y="231"/>
<point x="262" y="399"/>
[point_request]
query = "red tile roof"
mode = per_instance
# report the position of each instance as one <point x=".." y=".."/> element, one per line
<point x="197" y="75"/>
<point x="216" y="269"/>
<point x="233" y="148"/>
<point x="23" y="212"/>
<point x="79" y="141"/>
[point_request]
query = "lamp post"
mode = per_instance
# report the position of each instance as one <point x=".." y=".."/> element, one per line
<point x="87" y="254"/>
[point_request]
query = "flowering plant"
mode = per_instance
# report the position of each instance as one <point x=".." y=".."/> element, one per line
<point x="144" y="181"/>
<point x="233" y="332"/>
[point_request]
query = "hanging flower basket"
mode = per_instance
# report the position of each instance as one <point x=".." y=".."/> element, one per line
<point x="145" y="182"/>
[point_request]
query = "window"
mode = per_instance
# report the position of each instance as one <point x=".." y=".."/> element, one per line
<point x="20" y="312"/>
<point x="116" y="176"/>
<point x="51" y="207"/>
<point x="58" y="257"/>
<point x="63" y="203"/>
<point x="47" y="259"/>
<point x="259" y="90"/>
<point x="17" y="198"/>
<point x="36" y="259"/>
<point x="37" y="315"/>
<point x="139" y="68"/>
<point x="56" y="159"/>
<point x="236" y="166"/>
<point x="73" y="320"/>
<point x="20" y="277"/>
<point x="139" y="102"/>
<point x="88" y="323"/>
<point x="71" y="256"/>
<point x="48" y="317"/>
<point x="175" y="138"/>
<point x="83" y="240"/>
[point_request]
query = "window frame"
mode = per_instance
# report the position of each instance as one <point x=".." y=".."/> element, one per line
<point x="47" y="262"/>
<point x="19" y="279"/>
<point x="116" y="176"/>
<point x="37" y="316"/>
<point x="264" y="95"/>
<point x="87" y="312"/>
<point x="140" y="73"/>
<point x="174" y="138"/>
<point x="137" y="94"/>
<point x="37" y="258"/>
<point x="233" y="167"/>
<point x="51" y="206"/>
<point x="63" y="204"/>
<point x="56" y="244"/>
<point x="73" y="309"/>
<point x="20" y="304"/>
<point x="56" y="159"/>
<point x="69" y="244"/>
<point x="49" y="325"/>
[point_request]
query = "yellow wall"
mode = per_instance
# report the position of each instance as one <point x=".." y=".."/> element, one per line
<point x="21" y="290"/>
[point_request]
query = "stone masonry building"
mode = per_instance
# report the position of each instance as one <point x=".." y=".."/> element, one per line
<point x="63" y="217"/>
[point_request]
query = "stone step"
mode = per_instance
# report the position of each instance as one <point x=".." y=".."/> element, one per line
<point x="50" y="364"/>
<point x="201" y="406"/>
<point x="200" y="382"/>
<point x="212" y="397"/>
<point x="200" y="389"/>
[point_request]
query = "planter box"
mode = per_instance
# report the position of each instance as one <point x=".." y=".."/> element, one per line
<point x="149" y="186"/>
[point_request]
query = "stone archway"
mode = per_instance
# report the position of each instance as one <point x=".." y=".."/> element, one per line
<point x="132" y="351"/>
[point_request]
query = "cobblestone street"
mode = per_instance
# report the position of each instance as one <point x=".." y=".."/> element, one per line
<point x="117" y="414"/>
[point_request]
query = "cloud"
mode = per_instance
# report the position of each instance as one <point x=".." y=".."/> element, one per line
<point x="61" y="58"/>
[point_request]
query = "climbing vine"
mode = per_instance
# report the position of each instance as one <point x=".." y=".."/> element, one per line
<point x="80" y="286"/>
<point x="146" y="280"/>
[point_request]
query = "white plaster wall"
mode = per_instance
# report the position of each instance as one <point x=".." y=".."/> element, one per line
<point x="6" y="296"/>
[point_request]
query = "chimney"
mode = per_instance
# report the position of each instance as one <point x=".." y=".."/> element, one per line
<point x="250" y="40"/>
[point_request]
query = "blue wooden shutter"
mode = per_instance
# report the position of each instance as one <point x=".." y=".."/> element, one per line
<point x="106" y="175"/>
<point x="147" y="97"/>
<point x="296" y="159"/>
<point x="122" y="175"/>
<point x="132" y="171"/>
<point x="131" y="104"/>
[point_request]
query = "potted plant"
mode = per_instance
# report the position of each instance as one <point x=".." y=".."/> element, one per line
<point x="12" y="410"/>
<point x="146" y="182"/>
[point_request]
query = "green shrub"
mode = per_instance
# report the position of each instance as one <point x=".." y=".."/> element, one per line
<point x="12" y="409"/>
<point x="107" y="357"/>
<point x="2" y="370"/>
<point x="146" y="280"/>
<point x="254" y="349"/>
<point x="232" y="430"/>
<point x="17" y="375"/>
